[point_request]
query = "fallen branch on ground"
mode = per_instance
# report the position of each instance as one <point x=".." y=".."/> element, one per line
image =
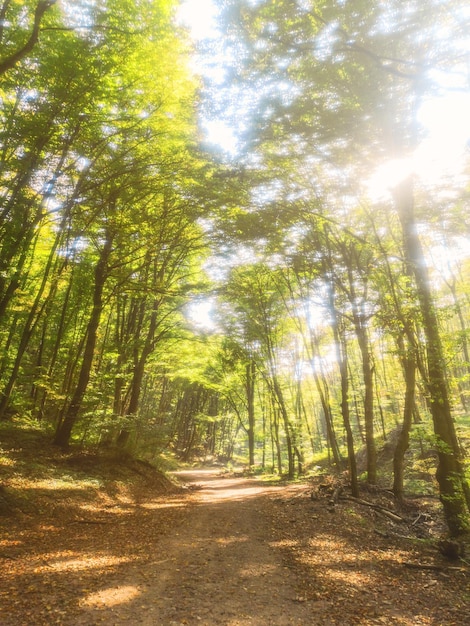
<point x="377" y="507"/>
<point x="432" y="566"/>
<point x="90" y="521"/>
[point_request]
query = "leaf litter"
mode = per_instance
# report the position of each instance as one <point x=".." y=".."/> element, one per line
<point x="86" y="540"/>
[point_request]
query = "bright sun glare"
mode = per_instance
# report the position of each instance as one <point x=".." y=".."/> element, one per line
<point x="200" y="314"/>
<point x="440" y="155"/>
<point x="199" y="17"/>
<point x="446" y="119"/>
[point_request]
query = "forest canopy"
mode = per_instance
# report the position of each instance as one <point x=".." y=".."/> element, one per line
<point x="258" y="257"/>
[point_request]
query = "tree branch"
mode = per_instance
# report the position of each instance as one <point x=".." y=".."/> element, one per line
<point x="12" y="60"/>
<point x="388" y="64"/>
<point x="3" y="11"/>
<point x="94" y="28"/>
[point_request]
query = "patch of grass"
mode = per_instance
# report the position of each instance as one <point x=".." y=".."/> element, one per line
<point x="417" y="486"/>
<point x="356" y="517"/>
<point x="166" y="462"/>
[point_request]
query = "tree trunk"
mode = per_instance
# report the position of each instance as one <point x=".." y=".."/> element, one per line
<point x="64" y="430"/>
<point x="454" y="492"/>
<point x="464" y="342"/>
<point x="368" y="409"/>
<point x="342" y="358"/>
<point x="138" y="372"/>
<point x="279" y="396"/>
<point x="367" y="374"/>
<point x="58" y="337"/>
<point x="347" y="425"/>
<point x="31" y="322"/>
<point x="275" y="435"/>
<point x="409" y="369"/>
<point x="328" y="415"/>
<point x="250" y="374"/>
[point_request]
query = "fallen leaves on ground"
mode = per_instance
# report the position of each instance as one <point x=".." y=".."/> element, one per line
<point x="93" y="541"/>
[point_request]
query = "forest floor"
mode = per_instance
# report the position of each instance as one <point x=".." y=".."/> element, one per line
<point x="86" y="540"/>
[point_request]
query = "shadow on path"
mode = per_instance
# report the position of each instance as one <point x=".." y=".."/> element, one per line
<point x="218" y="568"/>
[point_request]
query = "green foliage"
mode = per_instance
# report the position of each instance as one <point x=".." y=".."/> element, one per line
<point x="98" y="146"/>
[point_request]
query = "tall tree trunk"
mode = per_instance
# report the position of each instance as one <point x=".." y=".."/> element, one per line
<point x="250" y="378"/>
<point x="139" y="371"/>
<point x="454" y="491"/>
<point x="328" y="416"/>
<point x="58" y="337"/>
<point x="367" y="375"/>
<point x="31" y="322"/>
<point x="64" y="430"/>
<point x="342" y="358"/>
<point x="321" y="384"/>
<point x="409" y="369"/>
<point x="276" y="444"/>
<point x="368" y="406"/>
<point x="279" y="396"/>
<point x="464" y="341"/>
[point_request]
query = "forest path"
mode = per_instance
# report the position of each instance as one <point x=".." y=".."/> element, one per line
<point x="230" y="551"/>
<point x="218" y="567"/>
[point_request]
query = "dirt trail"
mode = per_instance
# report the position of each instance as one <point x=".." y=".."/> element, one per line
<point x="231" y="551"/>
<point x="217" y="568"/>
<point x="204" y="557"/>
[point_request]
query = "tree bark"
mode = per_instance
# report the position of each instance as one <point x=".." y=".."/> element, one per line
<point x="328" y="415"/>
<point x="341" y="351"/>
<point x="250" y="374"/>
<point x="64" y="430"/>
<point x="279" y="397"/>
<point x="409" y="369"/>
<point x="454" y="491"/>
<point x="31" y="322"/>
<point x="140" y="362"/>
